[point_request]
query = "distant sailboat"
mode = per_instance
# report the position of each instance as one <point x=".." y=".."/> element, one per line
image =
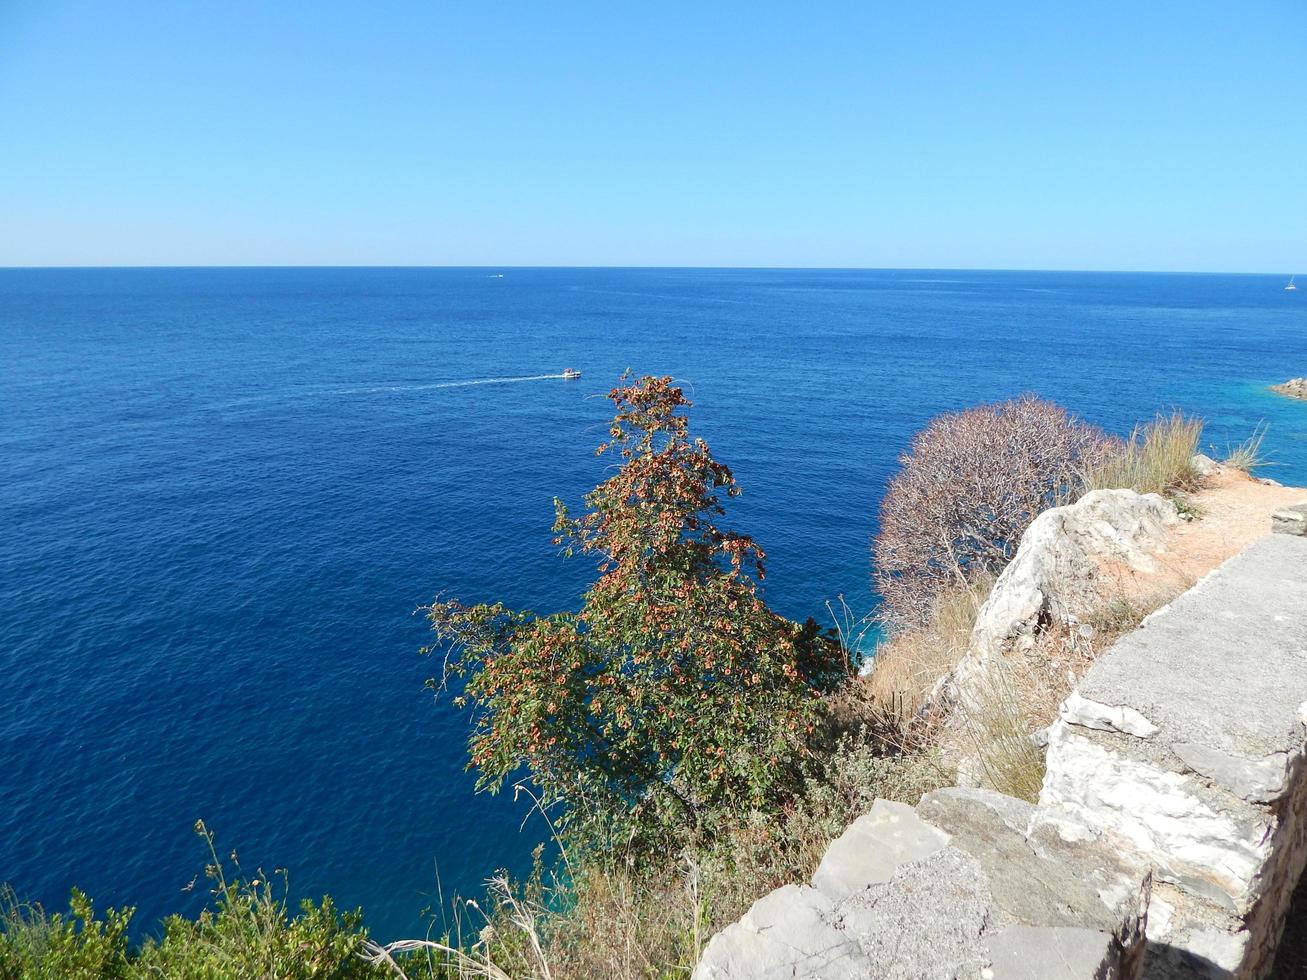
<point x="1291" y="287"/>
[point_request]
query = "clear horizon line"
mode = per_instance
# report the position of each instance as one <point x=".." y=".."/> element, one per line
<point x="578" y="266"/>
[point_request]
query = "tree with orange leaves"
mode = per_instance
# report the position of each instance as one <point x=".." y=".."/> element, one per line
<point x="675" y="692"/>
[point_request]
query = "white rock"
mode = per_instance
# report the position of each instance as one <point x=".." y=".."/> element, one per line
<point x="1225" y="949"/>
<point x="787" y="933"/>
<point x="1216" y="853"/>
<point x="1260" y="780"/>
<point x="1076" y="710"/>
<point x="1054" y="574"/>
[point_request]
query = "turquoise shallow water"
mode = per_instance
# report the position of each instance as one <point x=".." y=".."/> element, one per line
<point x="225" y="491"/>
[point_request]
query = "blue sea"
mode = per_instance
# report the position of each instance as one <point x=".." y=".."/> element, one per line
<point x="226" y="491"/>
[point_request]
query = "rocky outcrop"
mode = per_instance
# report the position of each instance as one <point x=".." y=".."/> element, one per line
<point x="1294" y="388"/>
<point x="954" y="888"/>
<point x="1169" y="835"/>
<point x="1055" y="575"/>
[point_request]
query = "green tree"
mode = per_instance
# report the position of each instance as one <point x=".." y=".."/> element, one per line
<point x="675" y="691"/>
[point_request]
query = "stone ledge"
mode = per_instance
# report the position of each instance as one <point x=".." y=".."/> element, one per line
<point x="1225" y="665"/>
<point x="951" y="889"/>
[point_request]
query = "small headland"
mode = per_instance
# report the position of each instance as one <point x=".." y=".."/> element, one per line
<point x="1294" y="388"/>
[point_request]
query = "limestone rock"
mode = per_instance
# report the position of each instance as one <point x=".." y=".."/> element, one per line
<point x="1204" y="465"/>
<point x="1061" y="953"/>
<point x="927" y="922"/>
<point x="952" y="889"/>
<point x="1041" y="881"/>
<point x="788" y="933"/>
<point x="1054" y="573"/>
<point x="1290" y="520"/>
<point x="873" y="847"/>
<point x="1079" y="710"/>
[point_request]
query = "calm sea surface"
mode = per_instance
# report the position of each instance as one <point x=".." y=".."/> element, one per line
<point x="225" y="491"/>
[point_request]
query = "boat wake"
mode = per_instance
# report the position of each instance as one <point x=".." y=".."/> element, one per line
<point x="375" y="389"/>
<point x="435" y="385"/>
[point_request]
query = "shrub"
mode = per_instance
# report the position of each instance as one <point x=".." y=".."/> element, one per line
<point x="970" y="485"/>
<point x="675" y="693"/>
<point x="252" y="933"/>
<point x="37" y="946"/>
<point x="1157" y="458"/>
<point x="249" y="933"/>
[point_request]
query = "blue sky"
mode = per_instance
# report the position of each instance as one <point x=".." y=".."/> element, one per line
<point x="1132" y="135"/>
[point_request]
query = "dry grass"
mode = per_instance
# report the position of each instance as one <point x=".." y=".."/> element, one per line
<point x="1248" y="454"/>
<point x="626" y="922"/>
<point x="609" y="922"/>
<point x="907" y="667"/>
<point x="998" y="723"/>
<point x="1157" y="458"/>
<point x="1020" y="695"/>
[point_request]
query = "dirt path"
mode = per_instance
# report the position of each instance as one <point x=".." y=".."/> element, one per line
<point x="1235" y="511"/>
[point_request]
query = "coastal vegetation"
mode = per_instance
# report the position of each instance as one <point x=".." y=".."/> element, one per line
<point x="248" y="932"/>
<point x="691" y="748"/>
<point x="674" y="695"/>
<point x="935" y="583"/>
<point x="1157" y="458"/>
<point x="968" y="487"/>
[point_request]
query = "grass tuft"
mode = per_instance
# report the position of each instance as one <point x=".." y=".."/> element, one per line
<point x="1000" y="727"/>
<point x="1157" y="458"/>
<point x="1247" y="455"/>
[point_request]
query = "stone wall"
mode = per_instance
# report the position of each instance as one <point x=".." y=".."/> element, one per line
<point x="1185" y="743"/>
<point x="1168" y="837"/>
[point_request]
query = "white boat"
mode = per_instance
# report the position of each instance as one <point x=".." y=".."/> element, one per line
<point x="571" y="373"/>
<point x="1291" y="287"/>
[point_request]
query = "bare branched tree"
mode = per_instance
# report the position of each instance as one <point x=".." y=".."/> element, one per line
<point x="970" y="485"/>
